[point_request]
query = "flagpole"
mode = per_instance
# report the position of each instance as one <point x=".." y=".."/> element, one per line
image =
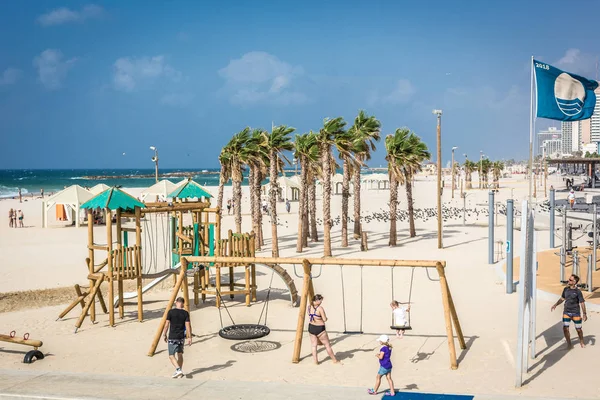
<point x="531" y="135"/>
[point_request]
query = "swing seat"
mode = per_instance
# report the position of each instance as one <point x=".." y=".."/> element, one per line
<point x="244" y="332"/>
<point x="402" y="327"/>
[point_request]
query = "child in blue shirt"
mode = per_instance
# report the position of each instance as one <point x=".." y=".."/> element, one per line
<point x="385" y="366"/>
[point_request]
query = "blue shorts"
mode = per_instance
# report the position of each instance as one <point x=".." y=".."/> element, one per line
<point x="384" y="371"/>
<point x="175" y="346"/>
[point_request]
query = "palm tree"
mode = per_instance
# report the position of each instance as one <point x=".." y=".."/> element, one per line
<point x="486" y="166"/>
<point x="307" y="154"/>
<point x="332" y="128"/>
<point x="497" y="167"/>
<point x="312" y="199"/>
<point x="366" y="130"/>
<point x="470" y="166"/>
<point x="240" y="151"/>
<point x="405" y="153"/>
<point x="258" y="170"/>
<point x="347" y="146"/>
<point x="277" y="142"/>
<point x="224" y="175"/>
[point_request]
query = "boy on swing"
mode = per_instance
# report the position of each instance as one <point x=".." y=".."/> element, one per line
<point x="399" y="320"/>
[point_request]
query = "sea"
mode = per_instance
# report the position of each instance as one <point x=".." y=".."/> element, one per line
<point x="53" y="180"/>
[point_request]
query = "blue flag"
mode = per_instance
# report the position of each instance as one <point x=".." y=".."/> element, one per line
<point x="561" y="95"/>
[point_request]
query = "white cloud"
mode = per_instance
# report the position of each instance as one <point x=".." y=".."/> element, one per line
<point x="575" y="61"/>
<point x="129" y="72"/>
<point x="259" y="77"/>
<point x="52" y="70"/>
<point x="65" y="15"/>
<point x="486" y="97"/>
<point x="177" y="99"/>
<point x="10" y="76"/>
<point x="402" y="92"/>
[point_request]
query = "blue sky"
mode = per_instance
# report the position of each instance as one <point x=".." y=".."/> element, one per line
<point x="82" y="83"/>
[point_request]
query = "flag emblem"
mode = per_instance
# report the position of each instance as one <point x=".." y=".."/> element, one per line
<point x="563" y="96"/>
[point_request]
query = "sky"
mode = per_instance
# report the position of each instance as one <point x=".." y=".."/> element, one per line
<point x="93" y="85"/>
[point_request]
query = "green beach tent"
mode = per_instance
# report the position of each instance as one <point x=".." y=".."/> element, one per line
<point x="113" y="199"/>
<point x="190" y="190"/>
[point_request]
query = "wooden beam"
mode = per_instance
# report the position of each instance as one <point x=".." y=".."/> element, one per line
<point x="447" y="317"/>
<point x="16" y="340"/>
<point x="302" y="312"/>
<point x="184" y="238"/>
<point x="320" y="261"/>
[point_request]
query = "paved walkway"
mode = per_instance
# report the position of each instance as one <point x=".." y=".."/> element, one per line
<point x="59" y="386"/>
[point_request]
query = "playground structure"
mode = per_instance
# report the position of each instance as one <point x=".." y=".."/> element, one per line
<point x="200" y="237"/>
<point x="450" y="314"/>
<point x="31" y="355"/>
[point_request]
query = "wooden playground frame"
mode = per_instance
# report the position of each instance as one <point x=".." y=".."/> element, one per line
<point x="450" y="314"/>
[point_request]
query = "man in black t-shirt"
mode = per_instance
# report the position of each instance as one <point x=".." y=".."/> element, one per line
<point x="178" y="325"/>
<point x="573" y="299"/>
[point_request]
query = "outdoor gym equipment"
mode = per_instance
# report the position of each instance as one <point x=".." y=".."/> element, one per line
<point x="31" y="355"/>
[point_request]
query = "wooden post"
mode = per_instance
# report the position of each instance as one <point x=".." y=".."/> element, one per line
<point x="138" y="244"/>
<point x="302" y="312"/>
<point x="447" y="316"/>
<point x="90" y="217"/>
<point x="27" y="342"/>
<point x="247" y="281"/>
<point x="111" y="294"/>
<point x="93" y="292"/>
<point x="163" y="321"/>
<point x="253" y="266"/>
<point x="120" y="263"/>
<point x="459" y="333"/>
<point x="218" y="285"/>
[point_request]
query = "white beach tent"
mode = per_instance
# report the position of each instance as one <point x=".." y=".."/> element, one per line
<point x="375" y="182"/>
<point x="161" y="189"/>
<point x="99" y="188"/>
<point x="289" y="188"/>
<point x="72" y="197"/>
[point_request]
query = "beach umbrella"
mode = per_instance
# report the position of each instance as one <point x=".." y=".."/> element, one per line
<point x="99" y="188"/>
<point x="190" y="190"/>
<point x="113" y="199"/>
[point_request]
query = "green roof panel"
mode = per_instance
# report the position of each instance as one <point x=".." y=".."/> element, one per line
<point x="113" y="199"/>
<point x="190" y="190"/>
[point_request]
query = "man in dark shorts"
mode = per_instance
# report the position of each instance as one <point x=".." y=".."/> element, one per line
<point x="178" y="326"/>
<point x="573" y="299"/>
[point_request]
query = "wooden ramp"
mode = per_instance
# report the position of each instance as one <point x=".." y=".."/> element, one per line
<point x="287" y="279"/>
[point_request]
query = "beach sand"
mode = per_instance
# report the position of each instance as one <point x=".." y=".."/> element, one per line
<point x="34" y="258"/>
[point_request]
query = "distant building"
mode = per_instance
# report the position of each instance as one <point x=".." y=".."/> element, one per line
<point x="595" y="120"/>
<point x="571" y="134"/>
<point x="552" y="148"/>
<point x="551" y="133"/>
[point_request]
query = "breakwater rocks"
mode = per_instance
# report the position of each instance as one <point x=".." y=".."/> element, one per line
<point x="178" y="174"/>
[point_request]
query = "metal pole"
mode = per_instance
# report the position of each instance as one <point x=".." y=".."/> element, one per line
<point x="464" y="196"/>
<point x="509" y="245"/>
<point x="595" y="236"/>
<point x="452" y="169"/>
<point x="439" y="178"/>
<point x="491" y="228"/>
<point x="531" y="127"/>
<point x="552" y="205"/>
<point x="563" y="262"/>
<point x="522" y="299"/>
<point x="588" y="281"/>
<point x="533" y="293"/>
<point x="575" y="262"/>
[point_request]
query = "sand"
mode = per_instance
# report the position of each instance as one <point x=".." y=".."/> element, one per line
<point x="34" y="258"/>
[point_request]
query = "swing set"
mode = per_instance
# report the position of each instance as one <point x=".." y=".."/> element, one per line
<point x="450" y="314"/>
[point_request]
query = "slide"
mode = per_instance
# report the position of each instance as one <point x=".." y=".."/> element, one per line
<point x="156" y="281"/>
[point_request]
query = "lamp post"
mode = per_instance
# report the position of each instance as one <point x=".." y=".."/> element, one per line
<point x="452" y="169"/>
<point x="466" y="166"/>
<point x="155" y="159"/>
<point x="480" y="169"/>
<point x="438" y="113"/>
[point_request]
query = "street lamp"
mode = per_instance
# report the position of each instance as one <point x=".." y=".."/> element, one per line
<point x="452" y="169"/>
<point x="480" y="169"/>
<point x="155" y="159"/>
<point x="438" y="113"/>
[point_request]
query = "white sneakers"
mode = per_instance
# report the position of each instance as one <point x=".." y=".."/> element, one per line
<point x="178" y="372"/>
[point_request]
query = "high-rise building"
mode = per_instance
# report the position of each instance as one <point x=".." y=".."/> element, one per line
<point x="571" y="136"/>
<point x="552" y="133"/>
<point x="552" y="148"/>
<point x="595" y="120"/>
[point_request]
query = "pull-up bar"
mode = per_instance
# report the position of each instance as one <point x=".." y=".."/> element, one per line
<point x="320" y="261"/>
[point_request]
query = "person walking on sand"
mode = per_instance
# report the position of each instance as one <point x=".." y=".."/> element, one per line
<point x="573" y="299"/>
<point x="21" y="219"/>
<point x="11" y="218"/>
<point x="316" y="328"/>
<point x="385" y="366"/>
<point x="228" y="206"/>
<point x="288" y="206"/>
<point x="571" y="198"/>
<point x="399" y="317"/>
<point x="178" y="326"/>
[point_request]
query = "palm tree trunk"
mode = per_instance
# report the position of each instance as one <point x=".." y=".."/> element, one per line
<point x="305" y="224"/>
<point x="274" y="188"/>
<point x="411" y="216"/>
<point x="356" y="181"/>
<point x="393" y="210"/>
<point x="301" y="207"/>
<point x="345" y="198"/>
<point x="259" y="216"/>
<point x="326" y="161"/>
<point x="251" y="186"/>
<point x="221" y="188"/>
<point x="312" y="194"/>
<point x="468" y="179"/>
<point x="237" y="205"/>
